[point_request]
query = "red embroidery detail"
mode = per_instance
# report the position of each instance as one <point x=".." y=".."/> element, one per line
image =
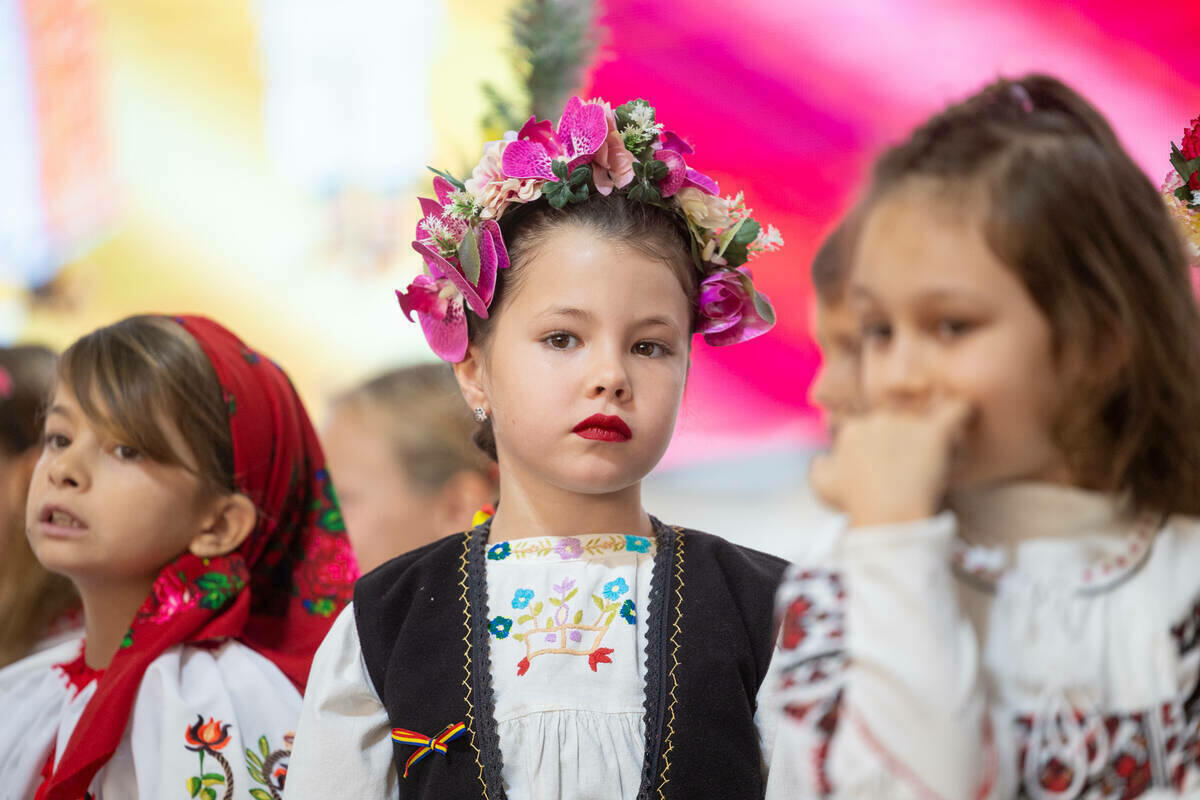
<point x="794" y="631"/>
<point x="894" y="765"/>
<point x="598" y="656"/>
<point x="77" y="673"/>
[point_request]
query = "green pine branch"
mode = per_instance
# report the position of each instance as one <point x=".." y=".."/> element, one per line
<point x="554" y="42"/>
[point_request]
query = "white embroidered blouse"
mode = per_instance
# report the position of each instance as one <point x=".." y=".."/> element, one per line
<point x="207" y="723"/>
<point x="1034" y="643"/>
<point x="568" y="624"/>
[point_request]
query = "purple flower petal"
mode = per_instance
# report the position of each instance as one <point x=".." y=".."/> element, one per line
<point x="443" y="188"/>
<point x="540" y="132"/>
<point x="576" y="636"/>
<point x="582" y="128"/>
<point x="493" y="256"/>
<point x="677" y="172"/>
<point x="440" y="267"/>
<point x="727" y="311"/>
<point x="424" y="297"/>
<point x="429" y="209"/>
<point x="672" y="141"/>
<point x="524" y="159"/>
<point x="487" y="266"/>
<point x="447" y="337"/>
<point x="551" y="638"/>
<point x="701" y="182"/>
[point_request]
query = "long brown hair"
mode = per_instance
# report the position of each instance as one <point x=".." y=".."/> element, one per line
<point x="31" y="598"/>
<point x="655" y="232"/>
<point x="1065" y="207"/>
<point x="132" y="376"/>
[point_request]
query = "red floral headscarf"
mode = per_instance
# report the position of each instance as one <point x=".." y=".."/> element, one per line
<point x="277" y="593"/>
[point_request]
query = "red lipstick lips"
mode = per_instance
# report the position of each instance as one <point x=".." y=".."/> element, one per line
<point x="604" y="428"/>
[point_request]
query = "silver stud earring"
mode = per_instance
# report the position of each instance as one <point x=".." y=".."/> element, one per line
<point x="480" y="415"/>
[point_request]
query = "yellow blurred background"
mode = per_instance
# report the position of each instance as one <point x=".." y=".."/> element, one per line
<point x="208" y="223"/>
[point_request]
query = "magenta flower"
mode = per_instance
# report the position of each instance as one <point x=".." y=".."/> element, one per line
<point x="462" y="259"/>
<point x="170" y="596"/>
<point x="670" y="150"/>
<point x="581" y="131"/>
<point x="730" y="308"/>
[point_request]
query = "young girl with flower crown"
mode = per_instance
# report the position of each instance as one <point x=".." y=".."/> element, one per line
<point x="181" y="489"/>
<point x="573" y="645"/>
<point x="1014" y="607"/>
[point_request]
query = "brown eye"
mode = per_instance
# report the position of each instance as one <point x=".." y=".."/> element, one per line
<point x="953" y="328"/>
<point x="650" y="349"/>
<point x="561" y="341"/>
<point x="126" y="453"/>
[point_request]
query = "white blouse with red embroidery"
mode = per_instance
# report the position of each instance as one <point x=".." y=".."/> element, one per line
<point x="1036" y="642"/>
<point x="208" y="723"/>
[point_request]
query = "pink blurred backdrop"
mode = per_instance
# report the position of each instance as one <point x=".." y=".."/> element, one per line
<point x="790" y="101"/>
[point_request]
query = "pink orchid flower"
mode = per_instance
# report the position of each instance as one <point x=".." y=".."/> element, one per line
<point x="582" y="130"/>
<point x="727" y="311"/>
<point x="670" y="150"/>
<point x="439" y="307"/>
<point x="438" y="298"/>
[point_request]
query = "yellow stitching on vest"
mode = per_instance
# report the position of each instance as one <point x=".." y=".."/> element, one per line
<point x="467" y="680"/>
<point x="672" y="677"/>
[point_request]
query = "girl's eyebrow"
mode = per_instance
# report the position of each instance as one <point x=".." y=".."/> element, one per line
<point x="663" y="321"/>
<point x="567" y="311"/>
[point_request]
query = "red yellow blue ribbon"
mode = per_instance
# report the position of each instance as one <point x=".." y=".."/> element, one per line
<point x="427" y="744"/>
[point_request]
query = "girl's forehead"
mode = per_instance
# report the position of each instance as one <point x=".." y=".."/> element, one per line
<point x="577" y="269"/>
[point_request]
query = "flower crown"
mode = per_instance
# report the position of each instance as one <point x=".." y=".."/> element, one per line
<point x="594" y="148"/>
<point x="1182" y="187"/>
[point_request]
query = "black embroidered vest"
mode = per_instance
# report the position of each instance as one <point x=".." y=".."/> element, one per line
<point x="423" y="626"/>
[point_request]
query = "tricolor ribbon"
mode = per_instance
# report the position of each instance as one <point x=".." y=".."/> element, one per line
<point x="426" y="744"/>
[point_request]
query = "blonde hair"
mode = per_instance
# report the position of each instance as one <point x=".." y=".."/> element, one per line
<point x="31" y="598"/>
<point x="428" y="427"/>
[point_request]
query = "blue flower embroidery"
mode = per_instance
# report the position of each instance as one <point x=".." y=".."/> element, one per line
<point x="637" y="544"/>
<point x="499" y="552"/>
<point x="522" y="597"/>
<point x="629" y="612"/>
<point x="500" y="627"/>
<point x="615" y="588"/>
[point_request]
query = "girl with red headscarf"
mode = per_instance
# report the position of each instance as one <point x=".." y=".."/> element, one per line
<point x="182" y="490"/>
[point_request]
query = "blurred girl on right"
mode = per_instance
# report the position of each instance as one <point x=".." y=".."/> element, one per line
<point x="1013" y="609"/>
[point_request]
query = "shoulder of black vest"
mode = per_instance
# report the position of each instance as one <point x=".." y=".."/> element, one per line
<point x="384" y="596"/>
<point x="750" y="579"/>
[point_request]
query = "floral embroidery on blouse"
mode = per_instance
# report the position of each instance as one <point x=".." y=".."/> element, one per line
<point x="269" y="767"/>
<point x="565" y="632"/>
<point x="569" y="548"/>
<point x="266" y="767"/>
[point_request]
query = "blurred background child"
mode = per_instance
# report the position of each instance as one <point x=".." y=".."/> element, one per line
<point x="399" y="447"/>
<point x="1018" y="578"/>
<point x="37" y="608"/>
